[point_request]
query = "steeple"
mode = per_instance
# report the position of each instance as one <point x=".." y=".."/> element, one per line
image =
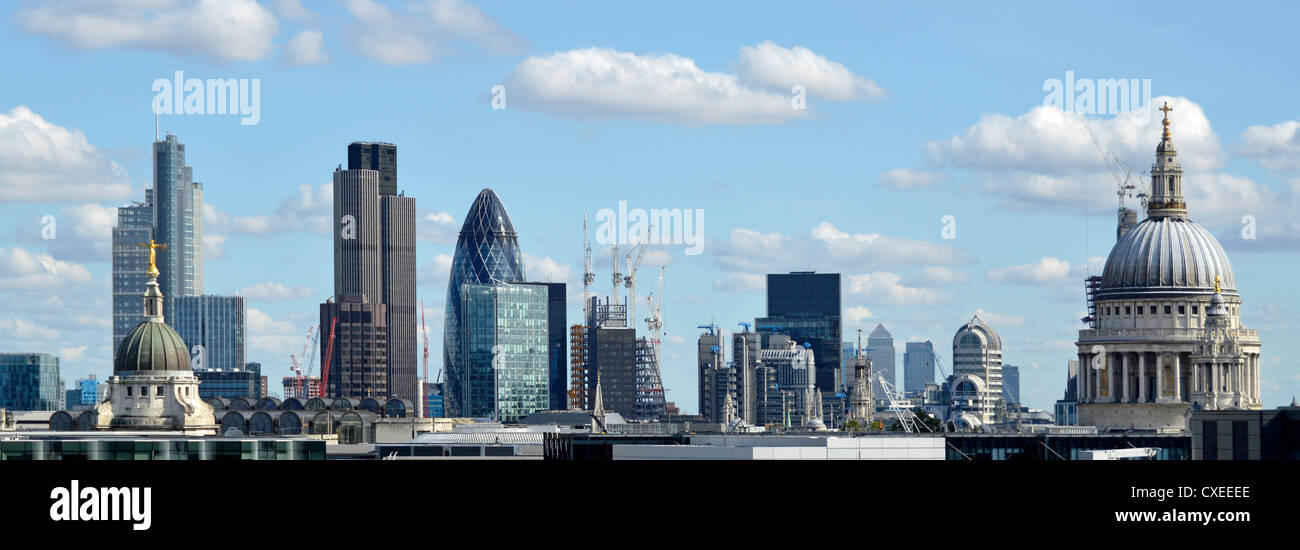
<point x="153" y="298"/>
<point x="1166" y="196"/>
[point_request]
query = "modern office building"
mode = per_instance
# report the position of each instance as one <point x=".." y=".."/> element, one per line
<point x="375" y="256"/>
<point x="359" y="358"/>
<point x="130" y="264"/>
<point x="214" y="328"/>
<point x="557" y="307"/>
<point x="87" y="392"/>
<point x="1166" y="335"/>
<point x="848" y="358"/>
<point x="1011" y="385"/>
<point x="977" y="370"/>
<point x="503" y="348"/>
<point x="806" y="307"/>
<point x="30" y="382"/>
<point x="880" y="349"/>
<point x="1245" y="434"/>
<point x="487" y="252"/>
<point x="717" y="378"/>
<point x="613" y="361"/>
<point x="177" y="202"/>
<point x="918" y="366"/>
<point x="795" y="368"/>
<point x="230" y="383"/>
<point x="1067" y="408"/>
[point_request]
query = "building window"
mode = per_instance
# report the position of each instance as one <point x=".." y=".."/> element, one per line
<point x="1153" y="310"/>
<point x="1167" y="310"/>
<point x="128" y="391"/>
<point x="1128" y="310"/>
<point x="1139" y="310"/>
<point x="1194" y="308"/>
<point x="160" y="391"/>
<point x="1182" y="310"/>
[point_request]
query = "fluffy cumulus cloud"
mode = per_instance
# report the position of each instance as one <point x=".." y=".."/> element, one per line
<point x="42" y="161"/>
<point x="607" y="83"/>
<point x="224" y="30"/>
<point x="906" y="178"/>
<point x="24" y="330"/>
<point x="306" y="48"/>
<point x="424" y="31"/>
<point x="828" y="248"/>
<point x="293" y="10"/>
<point x="271" y="337"/>
<point x="76" y="232"/>
<point x="437" y="227"/>
<point x="271" y="291"/>
<point x="1276" y="147"/>
<point x="307" y="209"/>
<point x="546" y="269"/>
<point x="772" y="66"/>
<point x="23" y="270"/>
<point x="940" y="275"/>
<point x="1046" y="271"/>
<point x="435" y="272"/>
<point x="857" y="314"/>
<point x="884" y="287"/>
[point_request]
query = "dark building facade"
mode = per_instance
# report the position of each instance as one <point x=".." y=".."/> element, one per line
<point x="1246" y="434"/>
<point x="358" y="366"/>
<point x="613" y="351"/>
<point x="806" y="307"/>
<point x="380" y="157"/>
<point x="557" y="343"/>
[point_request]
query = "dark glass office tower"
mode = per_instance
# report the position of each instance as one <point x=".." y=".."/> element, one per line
<point x="806" y="307"/>
<point x="557" y="351"/>
<point x="380" y="157"/>
<point x="177" y="203"/>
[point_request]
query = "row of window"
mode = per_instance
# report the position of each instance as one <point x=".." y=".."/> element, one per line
<point x="144" y="391"/>
<point x="1149" y="310"/>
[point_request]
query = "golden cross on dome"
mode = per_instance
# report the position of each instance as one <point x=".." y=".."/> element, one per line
<point x="153" y="256"/>
<point x="1166" y="109"/>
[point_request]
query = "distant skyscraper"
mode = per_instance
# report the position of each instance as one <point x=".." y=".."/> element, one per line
<point x="612" y="355"/>
<point x="380" y="157"/>
<point x="359" y="363"/>
<point x="848" y="358"/>
<point x="503" y="343"/>
<point x="130" y="264"/>
<point x="375" y="255"/>
<point x="30" y="382"/>
<point x="87" y="391"/>
<point x="487" y="252"/>
<point x="717" y="380"/>
<point x="880" y="349"/>
<point x="918" y="366"/>
<point x="558" y="349"/>
<point x="977" y="351"/>
<point x="1011" y="384"/>
<point x="217" y="324"/>
<point x="177" y="202"/>
<point x="806" y="306"/>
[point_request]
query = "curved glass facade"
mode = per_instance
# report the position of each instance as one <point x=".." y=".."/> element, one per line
<point x="487" y="252"/>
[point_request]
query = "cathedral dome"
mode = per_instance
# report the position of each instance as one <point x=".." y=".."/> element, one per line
<point x="1167" y="253"/>
<point x="152" y="346"/>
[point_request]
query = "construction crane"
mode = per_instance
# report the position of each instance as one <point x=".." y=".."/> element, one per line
<point x="629" y="280"/>
<point x="425" y="331"/>
<point x="655" y="322"/>
<point x="578" y="333"/>
<point x="906" y="418"/>
<point x="325" y="363"/>
<point x="617" y="277"/>
<point x="1115" y="166"/>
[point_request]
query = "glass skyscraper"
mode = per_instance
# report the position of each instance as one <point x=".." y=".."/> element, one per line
<point x="30" y="382"/>
<point x="487" y="252"/>
<point x="503" y="343"/>
<point x="130" y="262"/>
<point x="918" y="366"/>
<point x="178" y="222"/>
<point x="806" y="307"/>
<point x="217" y="324"/>
<point x="880" y="348"/>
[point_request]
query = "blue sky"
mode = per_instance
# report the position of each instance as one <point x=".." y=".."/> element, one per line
<point x="911" y="115"/>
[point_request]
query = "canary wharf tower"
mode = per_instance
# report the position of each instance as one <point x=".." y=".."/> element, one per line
<point x="1167" y="335"/>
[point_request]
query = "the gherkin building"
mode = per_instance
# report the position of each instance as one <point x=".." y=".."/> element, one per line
<point x="487" y="252"/>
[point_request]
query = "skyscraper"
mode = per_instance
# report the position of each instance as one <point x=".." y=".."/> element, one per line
<point x="977" y="352"/>
<point x="375" y="255"/>
<point x="806" y="307"/>
<point x="880" y="349"/>
<point x="557" y="323"/>
<point x="918" y="366"/>
<point x="358" y="362"/>
<point x="503" y="343"/>
<point x="487" y="252"/>
<point x="217" y="324"/>
<point x="130" y="265"/>
<point x="30" y="382"/>
<point x="1011" y="385"/>
<point x="177" y="203"/>
<point x="612" y="357"/>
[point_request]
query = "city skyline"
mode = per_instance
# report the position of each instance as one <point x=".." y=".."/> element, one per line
<point x="860" y="184"/>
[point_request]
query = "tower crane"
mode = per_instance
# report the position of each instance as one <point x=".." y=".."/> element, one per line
<point x="630" y="279"/>
<point x="588" y="277"/>
<point x="1115" y="166"/>
<point x="617" y="277"/>
<point x="425" y="330"/>
<point x="655" y="322"/>
<point x="325" y="363"/>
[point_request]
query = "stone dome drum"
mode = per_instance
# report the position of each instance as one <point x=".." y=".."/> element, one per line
<point x="152" y="346"/>
<point x="1167" y="253"/>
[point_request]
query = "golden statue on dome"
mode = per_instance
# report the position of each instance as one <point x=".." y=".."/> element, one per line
<point x="153" y="256"/>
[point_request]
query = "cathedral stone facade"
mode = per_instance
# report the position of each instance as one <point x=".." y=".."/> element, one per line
<point x="1168" y="337"/>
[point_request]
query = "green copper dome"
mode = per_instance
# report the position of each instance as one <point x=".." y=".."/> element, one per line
<point x="152" y="346"/>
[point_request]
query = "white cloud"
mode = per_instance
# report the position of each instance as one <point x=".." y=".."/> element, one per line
<point x="22" y="329"/>
<point x="741" y="282"/>
<point x="772" y="66"/>
<point x="1046" y="271"/>
<point x="77" y="232"/>
<point x="883" y="287"/>
<point x="1276" y="147"/>
<point x="435" y="272"/>
<point x="905" y="179"/>
<point x="857" y="314"/>
<point x="306" y="48"/>
<point x="307" y="209"/>
<point x="268" y="336"/>
<point x="42" y="161"/>
<point x="831" y="249"/>
<point x="996" y="320"/>
<point x="20" y="269"/>
<point x="424" y="31"/>
<point x="68" y="355"/>
<point x="437" y="227"/>
<point x="545" y="269"/>
<point x="225" y="30"/>
<point x="940" y="275"/>
<point x="214" y="246"/>
<point x="271" y="291"/>
<point x="293" y="10"/>
<point x="674" y="339"/>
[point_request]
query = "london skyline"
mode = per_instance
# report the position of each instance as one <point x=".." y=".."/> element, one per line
<point x="861" y="183"/>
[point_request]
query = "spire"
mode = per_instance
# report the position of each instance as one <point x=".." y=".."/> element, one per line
<point x="1166" y="193"/>
<point x="153" y="298"/>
